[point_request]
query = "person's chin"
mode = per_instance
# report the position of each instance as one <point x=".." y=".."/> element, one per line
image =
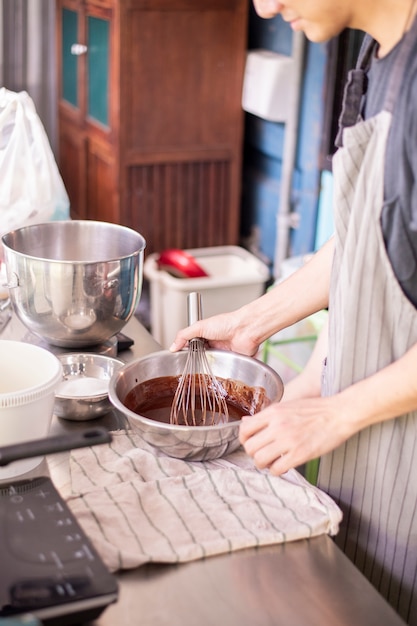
<point x="315" y="35"/>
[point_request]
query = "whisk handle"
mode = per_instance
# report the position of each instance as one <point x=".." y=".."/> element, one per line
<point x="194" y="307"/>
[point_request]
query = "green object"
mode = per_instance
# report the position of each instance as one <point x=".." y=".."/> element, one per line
<point x="269" y="347"/>
<point x="312" y="471"/>
<point x="98" y="69"/>
<point x="69" y="61"/>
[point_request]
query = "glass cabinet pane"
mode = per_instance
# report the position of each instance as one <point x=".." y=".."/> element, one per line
<point x="98" y="69"/>
<point x="69" y="61"/>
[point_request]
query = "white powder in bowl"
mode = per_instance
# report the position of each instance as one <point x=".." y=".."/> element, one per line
<point x="82" y="386"/>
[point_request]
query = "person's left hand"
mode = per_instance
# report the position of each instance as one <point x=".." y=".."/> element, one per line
<point x="288" y="434"/>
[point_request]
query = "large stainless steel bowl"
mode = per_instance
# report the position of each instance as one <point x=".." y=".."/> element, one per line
<point x="74" y="283"/>
<point x="194" y="443"/>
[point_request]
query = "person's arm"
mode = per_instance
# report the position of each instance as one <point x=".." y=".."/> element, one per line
<point x="292" y="432"/>
<point x="301" y="294"/>
<point x="307" y="384"/>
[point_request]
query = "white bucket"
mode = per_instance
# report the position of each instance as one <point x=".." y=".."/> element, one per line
<point x="29" y="376"/>
<point x="235" y="277"/>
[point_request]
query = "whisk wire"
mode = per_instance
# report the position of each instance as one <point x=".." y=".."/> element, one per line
<point x="200" y="399"/>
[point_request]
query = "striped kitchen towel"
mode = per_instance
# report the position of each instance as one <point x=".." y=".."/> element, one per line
<point x="138" y="505"/>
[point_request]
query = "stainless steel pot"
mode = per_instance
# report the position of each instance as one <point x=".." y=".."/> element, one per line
<point x="74" y="283"/>
<point x="194" y="443"/>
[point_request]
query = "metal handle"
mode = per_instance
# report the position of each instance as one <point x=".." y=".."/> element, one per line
<point x="78" y="49"/>
<point x="195" y="314"/>
<point x="194" y="307"/>
<point x="51" y="445"/>
<point x="14" y="282"/>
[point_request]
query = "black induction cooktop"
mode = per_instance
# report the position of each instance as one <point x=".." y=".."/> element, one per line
<point x="48" y="566"/>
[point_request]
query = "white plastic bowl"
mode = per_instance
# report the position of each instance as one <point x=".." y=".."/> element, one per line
<point x="29" y="376"/>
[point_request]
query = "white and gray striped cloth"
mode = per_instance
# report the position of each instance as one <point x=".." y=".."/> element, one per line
<point x="139" y="506"/>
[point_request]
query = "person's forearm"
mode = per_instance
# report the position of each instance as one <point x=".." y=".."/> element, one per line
<point x="387" y="394"/>
<point x="301" y="294"/>
<point x="244" y="329"/>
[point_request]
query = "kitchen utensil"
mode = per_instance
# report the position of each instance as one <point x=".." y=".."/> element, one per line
<point x="254" y="384"/>
<point x="199" y="399"/>
<point x="74" y="283"/>
<point x="180" y="263"/>
<point x="53" y="444"/>
<point x="83" y="392"/>
<point x="29" y="376"/>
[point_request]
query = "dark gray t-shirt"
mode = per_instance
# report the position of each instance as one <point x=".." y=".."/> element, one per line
<point x="399" y="212"/>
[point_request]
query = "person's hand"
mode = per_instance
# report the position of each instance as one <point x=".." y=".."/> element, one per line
<point x="294" y="431"/>
<point x="243" y="331"/>
<point x="288" y="434"/>
<point x="226" y="331"/>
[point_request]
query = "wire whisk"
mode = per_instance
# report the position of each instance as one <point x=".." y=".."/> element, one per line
<point x="200" y="399"/>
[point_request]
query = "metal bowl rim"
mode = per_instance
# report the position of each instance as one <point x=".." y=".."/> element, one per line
<point x="91" y="356"/>
<point x="62" y="223"/>
<point x="118" y="404"/>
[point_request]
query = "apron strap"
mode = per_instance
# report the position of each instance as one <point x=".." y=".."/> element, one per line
<point x="399" y="68"/>
<point x="355" y="88"/>
<point x="357" y="81"/>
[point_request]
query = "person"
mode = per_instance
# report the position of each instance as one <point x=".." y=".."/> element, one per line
<point x="355" y="405"/>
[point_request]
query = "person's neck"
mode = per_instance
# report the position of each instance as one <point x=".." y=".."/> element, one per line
<point x="389" y="26"/>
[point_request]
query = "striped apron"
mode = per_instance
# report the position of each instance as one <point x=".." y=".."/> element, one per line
<point x="373" y="476"/>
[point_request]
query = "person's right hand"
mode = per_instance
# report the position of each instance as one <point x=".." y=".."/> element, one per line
<point x="243" y="330"/>
<point x="227" y="331"/>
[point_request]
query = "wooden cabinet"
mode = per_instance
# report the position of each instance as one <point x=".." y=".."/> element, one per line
<point x="150" y="115"/>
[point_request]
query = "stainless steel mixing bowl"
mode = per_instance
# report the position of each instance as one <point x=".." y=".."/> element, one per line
<point x="74" y="283"/>
<point x="194" y="443"/>
<point x="83" y="393"/>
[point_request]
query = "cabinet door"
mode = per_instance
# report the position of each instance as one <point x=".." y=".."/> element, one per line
<point x="182" y="120"/>
<point x="70" y="27"/>
<point x="72" y="165"/>
<point x="84" y="33"/>
<point x="100" y="174"/>
<point x="97" y="70"/>
<point x="70" y="59"/>
<point x="84" y="41"/>
<point x="101" y="157"/>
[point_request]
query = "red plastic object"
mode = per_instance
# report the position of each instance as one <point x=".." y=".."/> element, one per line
<point x="180" y="264"/>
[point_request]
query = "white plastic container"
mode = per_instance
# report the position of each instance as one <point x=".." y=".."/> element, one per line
<point x="235" y="278"/>
<point x="268" y="85"/>
<point x="29" y="376"/>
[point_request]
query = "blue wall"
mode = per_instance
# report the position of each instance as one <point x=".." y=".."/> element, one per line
<point x="264" y="147"/>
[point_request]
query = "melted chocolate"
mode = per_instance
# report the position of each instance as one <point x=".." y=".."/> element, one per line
<point x="153" y="399"/>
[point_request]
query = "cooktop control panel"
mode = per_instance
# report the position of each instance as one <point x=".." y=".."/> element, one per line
<point x="49" y="568"/>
